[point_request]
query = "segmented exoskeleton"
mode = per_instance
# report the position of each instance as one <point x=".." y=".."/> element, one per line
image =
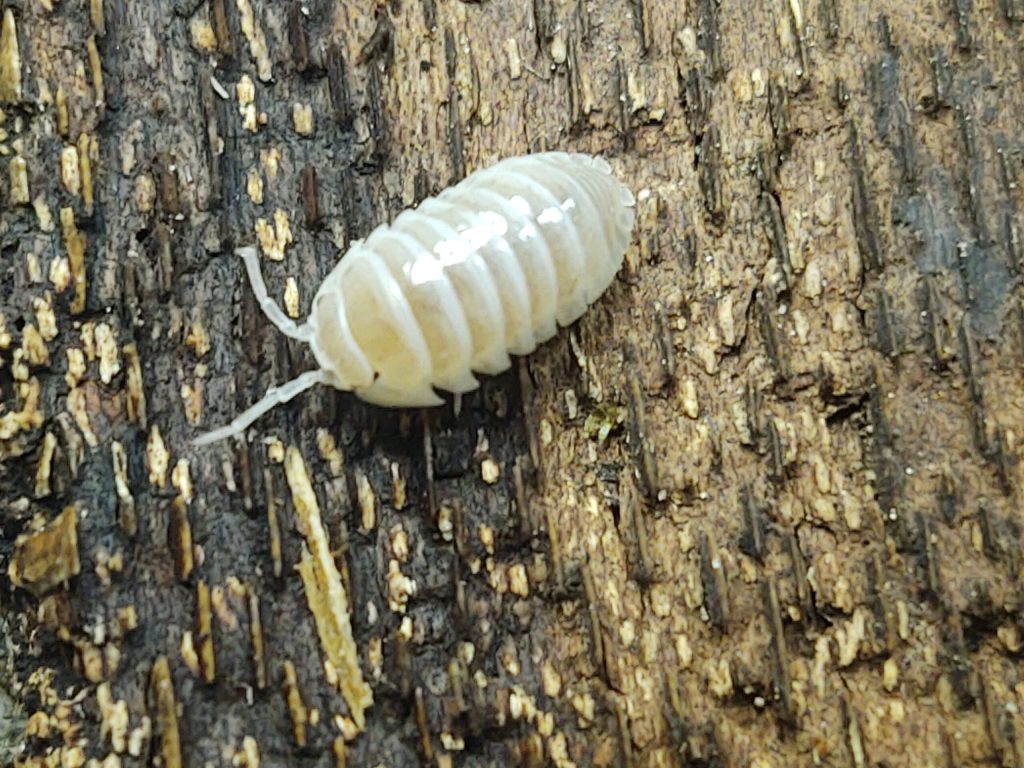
<point x="488" y="268"/>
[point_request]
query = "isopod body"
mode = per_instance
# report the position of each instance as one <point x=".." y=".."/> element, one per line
<point x="488" y="268"/>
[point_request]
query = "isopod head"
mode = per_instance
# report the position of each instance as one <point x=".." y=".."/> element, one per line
<point x="331" y="341"/>
<point x="387" y="365"/>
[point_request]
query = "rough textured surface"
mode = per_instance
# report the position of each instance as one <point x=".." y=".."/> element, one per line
<point x="760" y="507"/>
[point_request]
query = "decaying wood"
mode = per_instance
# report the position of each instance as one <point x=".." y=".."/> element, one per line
<point x="761" y="506"/>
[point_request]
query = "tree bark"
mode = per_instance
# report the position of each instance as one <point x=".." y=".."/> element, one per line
<point x="761" y="506"/>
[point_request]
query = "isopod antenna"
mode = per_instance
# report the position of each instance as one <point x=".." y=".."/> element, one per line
<point x="275" y="395"/>
<point x="270" y="308"/>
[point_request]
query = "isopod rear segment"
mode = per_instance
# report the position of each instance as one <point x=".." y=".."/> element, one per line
<point x="489" y="268"/>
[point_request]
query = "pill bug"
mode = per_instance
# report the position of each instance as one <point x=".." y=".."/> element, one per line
<point x="488" y="268"/>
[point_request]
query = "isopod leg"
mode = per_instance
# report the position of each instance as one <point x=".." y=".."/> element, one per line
<point x="270" y="308"/>
<point x="275" y="396"/>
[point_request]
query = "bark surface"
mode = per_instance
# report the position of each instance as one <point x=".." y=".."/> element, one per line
<point x="760" y="507"/>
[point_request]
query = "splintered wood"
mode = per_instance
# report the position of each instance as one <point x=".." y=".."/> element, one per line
<point x="10" y="59"/>
<point x="325" y="593"/>
<point x="49" y="558"/>
<point x="161" y="691"/>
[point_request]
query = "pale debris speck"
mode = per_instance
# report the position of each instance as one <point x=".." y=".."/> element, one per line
<point x="399" y="543"/>
<point x="398" y="490"/>
<point x="18" y="175"/>
<point x="684" y="651"/>
<point x="181" y="478"/>
<point x="189" y="655"/>
<point x="44" y="468"/>
<point x="291" y="297"/>
<point x="45" y="317"/>
<point x="77" y="404"/>
<point x="60" y="273"/>
<point x="445" y="522"/>
<point x="375" y="656"/>
<point x="88" y="336"/>
<point x="135" y="395"/>
<point x="144" y="192"/>
<point x="521" y="704"/>
<point x="571" y="404"/>
<point x="490" y="471"/>
<point x="400" y="587"/>
<point x="302" y="119"/>
<point x="890" y="675"/>
<point x="19" y="367"/>
<point x="518" y="581"/>
<point x="218" y="88"/>
<point x="76" y="366"/>
<point x="254" y="186"/>
<point x="405" y="629"/>
<point x="550" y="679"/>
<point x="1010" y="637"/>
<point x="203" y="36"/>
<point x="197" y="338"/>
<point x="813" y="281"/>
<point x="346" y="727"/>
<point x="44" y="216"/>
<point x="140" y="737"/>
<point x="848" y="637"/>
<point x="34" y="347"/>
<point x="257" y="41"/>
<point x="119" y="460"/>
<point x="158" y="459"/>
<point x="275" y="450"/>
<point x="627" y="632"/>
<point x="249" y="756"/>
<point x="113" y="717"/>
<point x="759" y="82"/>
<point x="274" y="238"/>
<point x="452" y="743"/>
<point x="107" y="351"/>
<point x="559" y="51"/>
<point x="245" y="90"/>
<point x="270" y="159"/>
<point x="329" y="452"/>
<point x="74" y="757"/>
<point x="486" y="534"/>
<point x="689" y="396"/>
<point x="466" y="652"/>
<point x="480" y="679"/>
<point x="33" y="269"/>
<point x="192" y="397"/>
<point x="70" y="173"/>
<point x="367" y="502"/>
<point x="719" y="678"/>
<point x="515" y="62"/>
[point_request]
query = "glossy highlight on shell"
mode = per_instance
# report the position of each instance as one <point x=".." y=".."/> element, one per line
<point x="488" y="268"/>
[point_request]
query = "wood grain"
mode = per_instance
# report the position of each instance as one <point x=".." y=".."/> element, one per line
<point x="761" y="506"/>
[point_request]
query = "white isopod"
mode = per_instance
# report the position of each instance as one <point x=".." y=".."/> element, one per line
<point x="485" y="269"/>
